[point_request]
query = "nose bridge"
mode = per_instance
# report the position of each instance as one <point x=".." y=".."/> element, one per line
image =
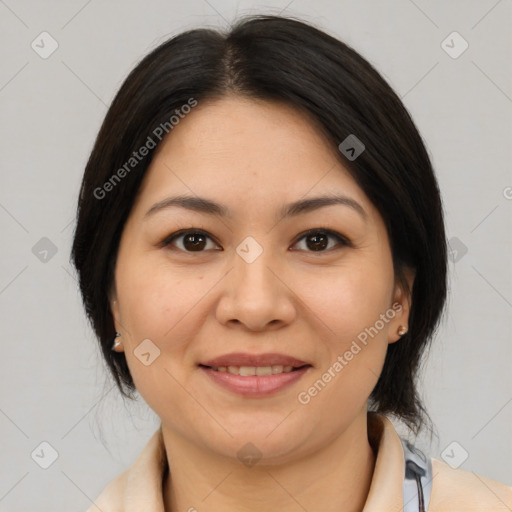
<point x="252" y="265"/>
<point x="255" y="296"/>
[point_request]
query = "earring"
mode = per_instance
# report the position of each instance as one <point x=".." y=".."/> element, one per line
<point x="117" y="343"/>
<point x="402" y="330"/>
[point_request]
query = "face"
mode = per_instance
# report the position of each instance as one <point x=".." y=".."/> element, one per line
<point x="316" y="284"/>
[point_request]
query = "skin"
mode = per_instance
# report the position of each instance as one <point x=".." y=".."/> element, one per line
<point x="254" y="157"/>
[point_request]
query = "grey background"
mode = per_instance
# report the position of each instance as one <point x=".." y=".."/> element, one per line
<point x="52" y="381"/>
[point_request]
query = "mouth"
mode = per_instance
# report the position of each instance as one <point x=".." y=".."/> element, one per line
<point x="247" y="362"/>
<point x="247" y="371"/>
<point x="254" y="375"/>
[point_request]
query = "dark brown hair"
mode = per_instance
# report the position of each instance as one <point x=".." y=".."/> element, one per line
<point x="286" y="60"/>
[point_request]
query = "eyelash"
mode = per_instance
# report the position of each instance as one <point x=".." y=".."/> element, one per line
<point x="342" y="240"/>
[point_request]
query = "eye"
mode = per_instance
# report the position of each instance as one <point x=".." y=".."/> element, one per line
<point x="318" y="239"/>
<point x="194" y="240"/>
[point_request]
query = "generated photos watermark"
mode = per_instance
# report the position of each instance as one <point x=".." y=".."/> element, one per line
<point x="304" y="397"/>
<point x="151" y="142"/>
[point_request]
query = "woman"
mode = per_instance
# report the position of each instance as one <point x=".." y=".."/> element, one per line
<point x="261" y="251"/>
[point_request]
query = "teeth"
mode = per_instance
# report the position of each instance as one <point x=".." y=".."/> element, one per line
<point x="254" y="370"/>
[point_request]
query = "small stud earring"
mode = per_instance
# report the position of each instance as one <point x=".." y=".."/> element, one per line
<point x="402" y="330"/>
<point x="117" y="343"/>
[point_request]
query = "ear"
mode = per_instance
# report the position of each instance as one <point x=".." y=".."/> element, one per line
<point x="114" y="308"/>
<point x="401" y="304"/>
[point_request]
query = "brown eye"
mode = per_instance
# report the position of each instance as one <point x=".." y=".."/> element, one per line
<point x="191" y="240"/>
<point x="318" y="239"/>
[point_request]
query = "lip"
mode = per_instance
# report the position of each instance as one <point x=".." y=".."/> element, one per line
<point x="245" y="359"/>
<point x="254" y="386"/>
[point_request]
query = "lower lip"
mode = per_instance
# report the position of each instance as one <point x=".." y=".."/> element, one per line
<point x="254" y="386"/>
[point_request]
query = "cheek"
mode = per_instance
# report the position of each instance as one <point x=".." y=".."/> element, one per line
<point x="349" y="298"/>
<point x="157" y="308"/>
<point x="352" y="314"/>
<point x="353" y="341"/>
<point x="156" y="299"/>
<point x="165" y="305"/>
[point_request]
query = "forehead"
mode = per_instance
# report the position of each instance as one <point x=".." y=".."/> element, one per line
<point x="254" y="131"/>
<point x="248" y="152"/>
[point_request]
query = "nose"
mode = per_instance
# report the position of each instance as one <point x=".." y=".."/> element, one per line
<point x="255" y="294"/>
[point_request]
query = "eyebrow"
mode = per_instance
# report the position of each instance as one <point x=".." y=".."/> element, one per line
<point x="209" y="207"/>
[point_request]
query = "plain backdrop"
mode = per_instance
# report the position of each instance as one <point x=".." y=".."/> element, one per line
<point x="54" y="388"/>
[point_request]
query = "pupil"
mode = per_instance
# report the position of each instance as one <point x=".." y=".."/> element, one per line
<point x="322" y="244"/>
<point x="194" y="245"/>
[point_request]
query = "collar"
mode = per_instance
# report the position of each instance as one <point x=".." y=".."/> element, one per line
<point x="386" y="487"/>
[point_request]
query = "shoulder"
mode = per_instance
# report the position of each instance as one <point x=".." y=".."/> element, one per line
<point x="457" y="489"/>
<point x="111" y="499"/>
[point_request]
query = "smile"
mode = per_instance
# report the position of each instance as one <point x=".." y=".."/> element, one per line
<point x="255" y="381"/>
<point x="254" y="370"/>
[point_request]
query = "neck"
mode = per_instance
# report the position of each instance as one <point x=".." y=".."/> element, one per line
<point x="334" y="477"/>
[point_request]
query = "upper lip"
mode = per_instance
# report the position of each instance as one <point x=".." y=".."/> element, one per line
<point x="244" y="359"/>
